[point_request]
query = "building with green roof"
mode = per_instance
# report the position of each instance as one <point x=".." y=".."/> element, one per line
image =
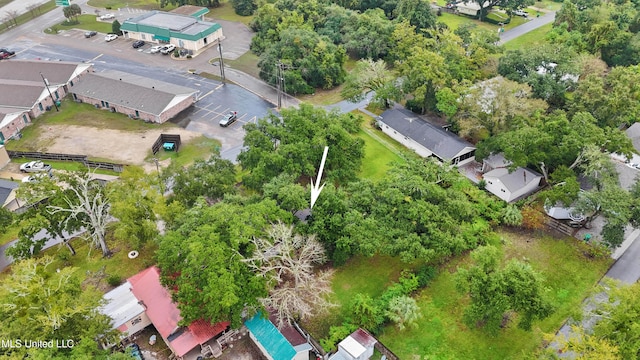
<point x="274" y="344"/>
<point x="184" y="31"/>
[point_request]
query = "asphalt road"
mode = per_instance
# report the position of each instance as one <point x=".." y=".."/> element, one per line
<point x="527" y="27"/>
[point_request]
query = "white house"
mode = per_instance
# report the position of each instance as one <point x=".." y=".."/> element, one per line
<point x="470" y="8"/>
<point x="425" y="139"/>
<point x="357" y="346"/>
<point x="125" y="310"/>
<point x="514" y="185"/>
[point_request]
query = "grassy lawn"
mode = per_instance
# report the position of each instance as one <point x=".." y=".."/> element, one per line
<point x="363" y="275"/>
<point x="90" y="261"/>
<point x="441" y="333"/>
<point x="530" y="39"/>
<point x="140" y="4"/>
<point x="377" y="157"/>
<point x="548" y="5"/>
<point x="226" y="12"/>
<point x="85" y="22"/>
<point x="9" y="234"/>
<point x="247" y="63"/>
<point x="198" y="148"/>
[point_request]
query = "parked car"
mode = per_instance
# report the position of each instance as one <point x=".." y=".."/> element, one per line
<point x="520" y="13"/>
<point x="134" y="350"/>
<point x="107" y="17"/>
<point x="110" y="37"/>
<point x="168" y="49"/>
<point x="36" y="177"/>
<point x="229" y="119"/>
<point x="35" y="166"/>
<point x="156" y="49"/>
<point x="89" y="34"/>
<point x="138" y="44"/>
<point x="4" y="53"/>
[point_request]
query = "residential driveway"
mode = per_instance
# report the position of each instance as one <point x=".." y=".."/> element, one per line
<point x="527" y="27"/>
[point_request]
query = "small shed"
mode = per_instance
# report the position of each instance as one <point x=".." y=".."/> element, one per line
<point x="357" y="346"/>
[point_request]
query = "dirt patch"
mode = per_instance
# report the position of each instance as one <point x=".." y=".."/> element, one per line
<point x="242" y="348"/>
<point x="127" y="147"/>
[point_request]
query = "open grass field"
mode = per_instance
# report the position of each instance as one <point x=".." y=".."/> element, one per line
<point x="377" y="157"/>
<point x="226" y="12"/>
<point x="533" y="38"/>
<point x="441" y="333"/>
<point x="85" y="22"/>
<point x="247" y="63"/>
<point x="364" y="275"/>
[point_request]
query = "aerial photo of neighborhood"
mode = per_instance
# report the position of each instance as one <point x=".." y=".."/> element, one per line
<point x="319" y="179"/>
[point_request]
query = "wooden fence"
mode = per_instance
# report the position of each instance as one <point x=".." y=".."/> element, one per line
<point x="385" y="351"/>
<point x="166" y="138"/>
<point x="66" y="157"/>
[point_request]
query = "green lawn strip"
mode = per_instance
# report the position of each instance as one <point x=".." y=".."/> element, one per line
<point x="85" y="22"/>
<point x="377" y="157"/>
<point x="199" y="148"/>
<point x="531" y="39"/>
<point x="226" y="12"/>
<point x="441" y="334"/>
<point x="137" y="4"/>
<point x="247" y="63"/>
<point x="9" y="234"/>
<point x="28" y="16"/>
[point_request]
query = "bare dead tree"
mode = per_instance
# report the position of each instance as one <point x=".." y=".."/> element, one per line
<point x="32" y="9"/>
<point x="13" y="16"/>
<point x="288" y="261"/>
<point x="89" y="205"/>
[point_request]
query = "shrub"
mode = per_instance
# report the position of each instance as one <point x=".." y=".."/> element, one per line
<point x="337" y="334"/>
<point x="482" y="184"/>
<point x="114" y="280"/>
<point x="512" y="216"/>
<point x="425" y="274"/>
<point x="189" y="56"/>
<point x="365" y="313"/>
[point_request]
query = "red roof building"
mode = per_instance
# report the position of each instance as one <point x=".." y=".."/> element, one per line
<point x="165" y="315"/>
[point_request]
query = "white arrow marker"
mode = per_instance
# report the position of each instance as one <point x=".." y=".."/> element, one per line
<point x="316" y="189"/>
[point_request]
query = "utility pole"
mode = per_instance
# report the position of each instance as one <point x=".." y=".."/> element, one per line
<point x="221" y="61"/>
<point x="46" y="84"/>
<point x="279" y="82"/>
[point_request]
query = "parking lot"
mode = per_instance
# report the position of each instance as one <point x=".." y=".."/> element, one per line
<point x="215" y="99"/>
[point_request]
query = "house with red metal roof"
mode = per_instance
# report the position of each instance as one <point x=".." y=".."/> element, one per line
<point x="185" y="342"/>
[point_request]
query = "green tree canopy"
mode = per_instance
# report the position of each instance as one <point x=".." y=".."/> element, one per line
<point x="201" y="260"/>
<point x="211" y="179"/>
<point x="293" y="144"/>
<point x="494" y="290"/>
<point x="305" y="60"/>
<point x="39" y="303"/>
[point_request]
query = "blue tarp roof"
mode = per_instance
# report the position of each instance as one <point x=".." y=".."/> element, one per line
<point x="270" y="338"/>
